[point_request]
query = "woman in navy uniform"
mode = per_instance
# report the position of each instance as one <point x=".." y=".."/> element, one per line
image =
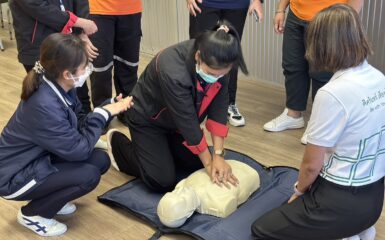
<point x="181" y="87"/>
<point x="47" y="154"/>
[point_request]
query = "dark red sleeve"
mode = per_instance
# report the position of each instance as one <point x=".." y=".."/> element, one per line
<point x="67" y="29"/>
<point x="217" y="128"/>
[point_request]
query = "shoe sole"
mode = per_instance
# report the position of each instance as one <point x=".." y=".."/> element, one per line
<point x="66" y="213"/>
<point x="109" y="148"/>
<point x="234" y="123"/>
<point x="21" y="222"/>
<point x="283" y="129"/>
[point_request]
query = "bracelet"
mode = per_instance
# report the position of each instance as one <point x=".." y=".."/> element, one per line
<point x="282" y="11"/>
<point x="296" y="191"/>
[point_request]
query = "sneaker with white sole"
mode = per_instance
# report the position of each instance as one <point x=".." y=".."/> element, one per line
<point x="109" y="147"/>
<point x="69" y="208"/>
<point x="284" y="122"/>
<point x="234" y="116"/>
<point x="304" y="139"/>
<point x="43" y="226"/>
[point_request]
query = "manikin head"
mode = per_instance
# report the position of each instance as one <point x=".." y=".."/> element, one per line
<point x="177" y="206"/>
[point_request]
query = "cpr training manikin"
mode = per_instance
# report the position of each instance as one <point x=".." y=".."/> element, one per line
<point x="198" y="193"/>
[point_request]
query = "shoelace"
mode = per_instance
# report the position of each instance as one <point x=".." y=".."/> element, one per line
<point x="234" y="110"/>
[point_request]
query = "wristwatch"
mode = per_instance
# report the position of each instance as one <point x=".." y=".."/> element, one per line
<point x="220" y="152"/>
<point x="296" y="191"/>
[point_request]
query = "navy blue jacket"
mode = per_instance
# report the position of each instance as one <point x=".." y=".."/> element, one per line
<point x="41" y="129"/>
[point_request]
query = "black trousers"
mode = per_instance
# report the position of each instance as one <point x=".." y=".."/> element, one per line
<point x="118" y="41"/>
<point x="71" y="181"/>
<point x="328" y="211"/>
<point x="207" y="19"/>
<point x="295" y="66"/>
<point x="153" y="154"/>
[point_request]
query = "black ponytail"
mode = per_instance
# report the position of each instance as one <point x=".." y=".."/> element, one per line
<point x="221" y="47"/>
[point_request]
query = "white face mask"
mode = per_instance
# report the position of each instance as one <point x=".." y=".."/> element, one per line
<point x="80" y="80"/>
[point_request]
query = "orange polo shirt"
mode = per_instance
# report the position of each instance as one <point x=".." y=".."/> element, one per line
<point x="115" y="7"/>
<point x="307" y="9"/>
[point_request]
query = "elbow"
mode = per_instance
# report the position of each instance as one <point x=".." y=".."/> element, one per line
<point x="310" y="169"/>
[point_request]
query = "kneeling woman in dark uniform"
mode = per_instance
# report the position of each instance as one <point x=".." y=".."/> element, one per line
<point x="47" y="154"/>
<point x="180" y="87"/>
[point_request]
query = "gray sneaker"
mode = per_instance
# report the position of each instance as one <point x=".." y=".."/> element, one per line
<point x="234" y="116"/>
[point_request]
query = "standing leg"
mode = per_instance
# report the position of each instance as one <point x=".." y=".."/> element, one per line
<point x="237" y="18"/>
<point x="103" y="40"/>
<point x="297" y="80"/>
<point x="206" y="20"/>
<point x="319" y="79"/>
<point x="126" y="52"/>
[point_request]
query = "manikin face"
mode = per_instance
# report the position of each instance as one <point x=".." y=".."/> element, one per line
<point x="176" y="206"/>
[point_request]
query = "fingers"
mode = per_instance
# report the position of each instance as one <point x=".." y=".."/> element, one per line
<point x="191" y="10"/>
<point x="119" y="97"/>
<point x="195" y="5"/>
<point x="91" y="53"/>
<point x="260" y="14"/>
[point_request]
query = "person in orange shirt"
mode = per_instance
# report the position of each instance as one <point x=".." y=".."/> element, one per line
<point x="295" y="66"/>
<point x="118" y="43"/>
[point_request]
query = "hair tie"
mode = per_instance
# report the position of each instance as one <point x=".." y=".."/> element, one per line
<point x="224" y="28"/>
<point x="38" y="68"/>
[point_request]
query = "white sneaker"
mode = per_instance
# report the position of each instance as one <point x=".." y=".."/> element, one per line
<point x="101" y="144"/>
<point x="284" y="122"/>
<point x="67" y="209"/>
<point x="368" y="234"/>
<point x="355" y="237"/>
<point x="234" y="116"/>
<point x="109" y="147"/>
<point x="304" y="139"/>
<point x="43" y="226"/>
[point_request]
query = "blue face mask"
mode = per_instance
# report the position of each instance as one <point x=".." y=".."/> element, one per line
<point x="206" y="77"/>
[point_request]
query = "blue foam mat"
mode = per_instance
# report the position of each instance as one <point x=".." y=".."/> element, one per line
<point x="275" y="189"/>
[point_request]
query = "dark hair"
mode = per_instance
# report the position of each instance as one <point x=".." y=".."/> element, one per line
<point x="335" y="40"/>
<point x="58" y="52"/>
<point x="219" y="49"/>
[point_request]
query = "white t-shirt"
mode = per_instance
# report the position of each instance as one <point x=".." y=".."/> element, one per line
<point x="348" y="118"/>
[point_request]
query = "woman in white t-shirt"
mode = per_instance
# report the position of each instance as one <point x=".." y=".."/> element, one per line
<point x="340" y="189"/>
